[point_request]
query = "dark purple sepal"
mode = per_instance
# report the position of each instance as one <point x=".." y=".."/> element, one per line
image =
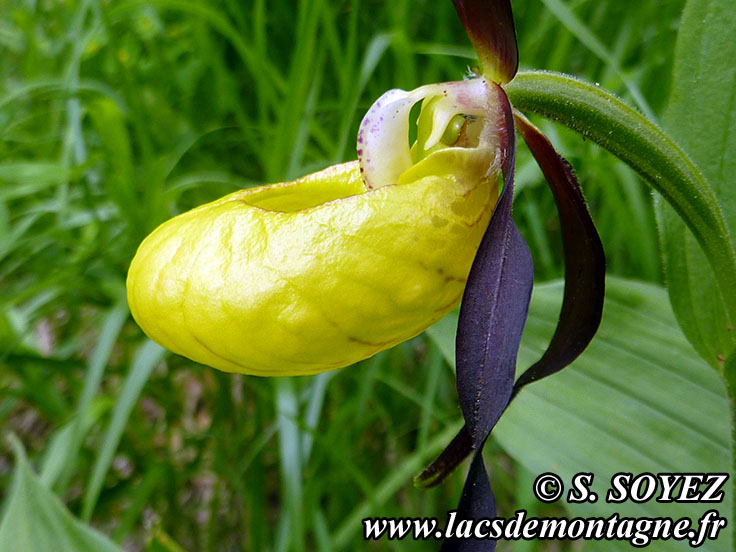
<point x="447" y="461"/>
<point x="490" y="26"/>
<point x="492" y="317"/>
<point x="476" y="502"/>
<point x="585" y="261"/>
<point x="494" y="306"/>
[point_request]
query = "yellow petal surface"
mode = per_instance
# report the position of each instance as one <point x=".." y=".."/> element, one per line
<point x="315" y="274"/>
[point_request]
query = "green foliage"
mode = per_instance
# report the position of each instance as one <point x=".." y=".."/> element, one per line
<point x="700" y="116"/>
<point x="146" y="358"/>
<point x="35" y="519"/>
<point x="602" y="117"/>
<point x="639" y="383"/>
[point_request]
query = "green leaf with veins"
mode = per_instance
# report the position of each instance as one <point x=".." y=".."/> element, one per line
<point x="660" y="409"/>
<point x="701" y="117"/>
<point x="638" y="400"/>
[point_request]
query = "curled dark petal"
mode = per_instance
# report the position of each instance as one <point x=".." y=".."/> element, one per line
<point x="584" y="288"/>
<point x="477" y="502"/>
<point x="490" y="26"/>
<point x="494" y="307"/>
<point x="585" y="262"/>
<point x="447" y="461"/>
<point x="492" y="317"/>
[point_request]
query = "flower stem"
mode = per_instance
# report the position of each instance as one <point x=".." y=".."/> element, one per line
<point x="606" y="120"/>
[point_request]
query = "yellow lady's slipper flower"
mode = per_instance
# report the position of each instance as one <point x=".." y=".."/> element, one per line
<point x="316" y="274"/>
<point x="319" y="273"/>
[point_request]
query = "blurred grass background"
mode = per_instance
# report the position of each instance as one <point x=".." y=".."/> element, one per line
<point x="116" y="115"/>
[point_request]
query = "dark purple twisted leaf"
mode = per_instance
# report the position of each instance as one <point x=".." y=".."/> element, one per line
<point x="579" y="319"/>
<point x="492" y="317"/>
<point x="490" y="26"/>
<point x="447" y="461"/>
<point x="476" y="502"/>
<point x="494" y="306"/>
<point x="484" y="400"/>
<point x="582" y="304"/>
<point x="585" y="261"/>
<point x="492" y="363"/>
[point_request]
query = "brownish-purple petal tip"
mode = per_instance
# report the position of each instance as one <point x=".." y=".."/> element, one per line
<point x="447" y="461"/>
<point x="585" y="261"/>
<point x="490" y="26"/>
<point x="582" y="304"/>
<point x="477" y="502"/>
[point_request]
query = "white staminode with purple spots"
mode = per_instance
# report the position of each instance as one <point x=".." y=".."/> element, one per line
<point x="383" y="139"/>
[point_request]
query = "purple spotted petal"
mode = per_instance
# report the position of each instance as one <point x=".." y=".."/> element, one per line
<point x="490" y="26"/>
<point x="382" y="152"/>
<point x="585" y="262"/>
<point x="383" y="136"/>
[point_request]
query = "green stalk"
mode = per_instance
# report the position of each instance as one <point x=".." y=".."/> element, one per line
<point x="606" y="120"/>
<point x="729" y="376"/>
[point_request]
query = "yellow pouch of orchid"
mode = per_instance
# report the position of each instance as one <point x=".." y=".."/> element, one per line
<point x="319" y="273"/>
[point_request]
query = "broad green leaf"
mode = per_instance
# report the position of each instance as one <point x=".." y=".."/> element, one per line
<point x="35" y="519"/>
<point x="702" y="118"/>
<point x="638" y="400"/>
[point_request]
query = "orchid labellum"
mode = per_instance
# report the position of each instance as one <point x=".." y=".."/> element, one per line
<point x="319" y="273"/>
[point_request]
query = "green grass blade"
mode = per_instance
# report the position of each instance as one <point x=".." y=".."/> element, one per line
<point x="112" y="324"/>
<point x="401" y="476"/>
<point x="291" y="524"/>
<point x="148" y="355"/>
<point x="590" y="41"/>
<point x="313" y="411"/>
